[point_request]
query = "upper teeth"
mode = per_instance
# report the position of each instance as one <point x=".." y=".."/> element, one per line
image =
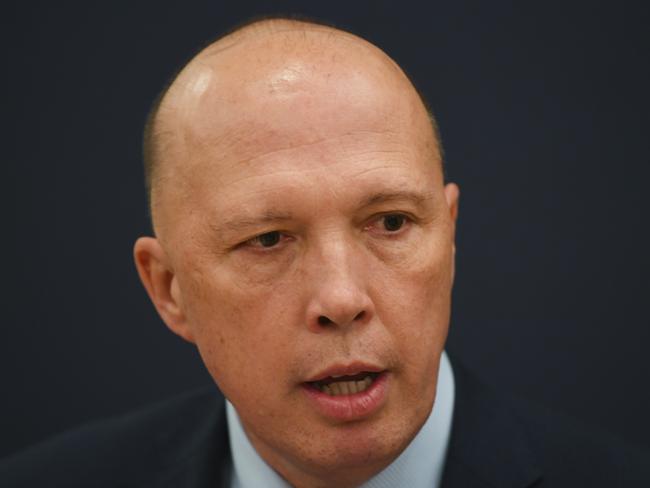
<point x="346" y="387"/>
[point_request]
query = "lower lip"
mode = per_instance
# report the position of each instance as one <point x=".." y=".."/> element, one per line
<point x="347" y="408"/>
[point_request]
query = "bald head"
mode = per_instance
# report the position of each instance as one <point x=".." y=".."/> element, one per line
<point x="260" y="83"/>
<point x="302" y="221"/>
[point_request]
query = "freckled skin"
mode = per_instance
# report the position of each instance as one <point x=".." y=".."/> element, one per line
<point x="306" y="133"/>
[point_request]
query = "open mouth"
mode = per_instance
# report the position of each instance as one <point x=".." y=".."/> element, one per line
<point x="345" y="385"/>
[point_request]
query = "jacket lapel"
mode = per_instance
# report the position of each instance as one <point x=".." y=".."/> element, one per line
<point x="488" y="447"/>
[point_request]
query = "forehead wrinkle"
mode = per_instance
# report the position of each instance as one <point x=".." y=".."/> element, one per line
<point x="318" y="140"/>
<point x="230" y="144"/>
<point x="388" y="166"/>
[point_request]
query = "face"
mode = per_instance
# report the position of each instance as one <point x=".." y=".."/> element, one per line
<point x="312" y="257"/>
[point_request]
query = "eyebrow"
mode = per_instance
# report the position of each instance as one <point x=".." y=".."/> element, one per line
<point x="419" y="198"/>
<point x="239" y="224"/>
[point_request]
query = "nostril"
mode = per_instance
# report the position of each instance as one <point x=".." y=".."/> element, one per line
<point x="322" y="320"/>
<point x="360" y="315"/>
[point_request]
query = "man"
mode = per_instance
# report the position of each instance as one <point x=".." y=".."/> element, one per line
<point x="304" y="233"/>
<point x="304" y="241"/>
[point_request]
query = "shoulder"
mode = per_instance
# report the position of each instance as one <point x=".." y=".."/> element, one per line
<point x="136" y="449"/>
<point x="568" y="449"/>
<point x="502" y="440"/>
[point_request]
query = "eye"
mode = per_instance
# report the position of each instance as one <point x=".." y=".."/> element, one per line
<point x="393" y="222"/>
<point x="389" y="225"/>
<point x="268" y="239"/>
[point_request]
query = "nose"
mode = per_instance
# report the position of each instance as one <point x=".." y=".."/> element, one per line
<point x="339" y="296"/>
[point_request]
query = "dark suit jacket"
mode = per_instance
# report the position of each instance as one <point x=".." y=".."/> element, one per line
<point x="183" y="443"/>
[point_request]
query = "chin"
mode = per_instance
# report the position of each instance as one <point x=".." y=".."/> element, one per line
<point x="365" y="447"/>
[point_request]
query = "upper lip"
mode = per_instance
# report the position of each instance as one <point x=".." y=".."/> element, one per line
<point x="349" y="369"/>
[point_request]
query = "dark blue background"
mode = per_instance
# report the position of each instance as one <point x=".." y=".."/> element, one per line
<point x="544" y="110"/>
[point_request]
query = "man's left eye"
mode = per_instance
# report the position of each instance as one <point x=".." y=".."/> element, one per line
<point x="393" y="222"/>
<point x="389" y="224"/>
<point x="266" y="240"/>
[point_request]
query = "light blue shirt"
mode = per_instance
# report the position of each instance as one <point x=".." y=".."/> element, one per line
<point x="419" y="466"/>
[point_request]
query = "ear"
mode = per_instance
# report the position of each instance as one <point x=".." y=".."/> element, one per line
<point x="161" y="284"/>
<point x="452" y="194"/>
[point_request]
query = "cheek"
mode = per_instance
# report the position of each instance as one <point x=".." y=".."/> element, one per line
<point x="238" y="327"/>
<point x="413" y="300"/>
<point x="261" y="273"/>
<point x="419" y="281"/>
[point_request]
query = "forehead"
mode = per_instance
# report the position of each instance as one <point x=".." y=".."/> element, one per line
<point x="252" y="81"/>
<point x="258" y="110"/>
<point x="312" y="185"/>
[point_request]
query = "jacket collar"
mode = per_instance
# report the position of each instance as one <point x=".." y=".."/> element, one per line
<point x="203" y="459"/>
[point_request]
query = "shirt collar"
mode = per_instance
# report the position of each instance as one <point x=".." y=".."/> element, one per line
<point x="419" y="466"/>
